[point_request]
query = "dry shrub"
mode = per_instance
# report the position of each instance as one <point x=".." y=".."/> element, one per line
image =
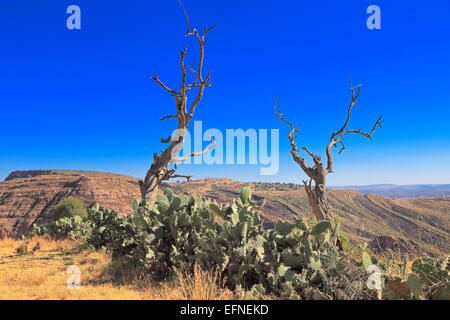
<point x="45" y="243"/>
<point x="202" y="285"/>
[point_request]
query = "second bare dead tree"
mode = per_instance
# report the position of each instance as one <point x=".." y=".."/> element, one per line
<point x="159" y="170"/>
<point x="317" y="193"/>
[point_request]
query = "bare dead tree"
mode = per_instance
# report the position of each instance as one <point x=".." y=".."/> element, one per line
<point x="159" y="170"/>
<point x="317" y="193"/>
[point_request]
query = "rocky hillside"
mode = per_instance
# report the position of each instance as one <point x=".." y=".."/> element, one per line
<point x="28" y="197"/>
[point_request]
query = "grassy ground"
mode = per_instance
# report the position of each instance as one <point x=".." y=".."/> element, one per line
<point x="42" y="275"/>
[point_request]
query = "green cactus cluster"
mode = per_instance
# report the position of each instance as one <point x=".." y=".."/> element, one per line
<point x="293" y="260"/>
<point x="65" y="228"/>
<point x="429" y="279"/>
<point x="105" y="225"/>
<point x="296" y="260"/>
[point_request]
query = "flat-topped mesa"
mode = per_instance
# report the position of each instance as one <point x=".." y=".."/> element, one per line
<point x="24" y="174"/>
<point x="20" y="174"/>
<point x="28" y="197"/>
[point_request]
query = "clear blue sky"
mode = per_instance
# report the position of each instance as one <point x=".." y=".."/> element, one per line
<point x="83" y="99"/>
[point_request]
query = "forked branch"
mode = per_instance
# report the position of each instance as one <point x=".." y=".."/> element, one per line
<point x="292" y="135"/>
<point x="183" y="116"/>
<point x="196" y="154"/>
<point x="156" y="79"/>
<point x="317" y="160"/>
<point x="188" y="178"/>
<point x="168" y="117"/>
<point x="336" y="137"/>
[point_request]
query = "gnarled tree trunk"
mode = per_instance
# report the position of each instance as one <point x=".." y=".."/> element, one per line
<point x="150" y="185"/>
<point x="159" y="171"/>
<point x="318" y="200"/>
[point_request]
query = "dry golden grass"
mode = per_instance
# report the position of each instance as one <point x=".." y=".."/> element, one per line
<point x="42" y="275"/>
<point x="202" y="285"/>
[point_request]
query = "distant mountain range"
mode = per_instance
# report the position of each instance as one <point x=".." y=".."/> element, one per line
<point x="414" y="191"/>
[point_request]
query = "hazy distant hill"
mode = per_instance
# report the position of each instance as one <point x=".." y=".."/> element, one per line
<point x="28" y="197"/>
<point x="440" y="191"/>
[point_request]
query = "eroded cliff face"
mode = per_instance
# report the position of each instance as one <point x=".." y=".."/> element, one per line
<point x="28" y="197"/>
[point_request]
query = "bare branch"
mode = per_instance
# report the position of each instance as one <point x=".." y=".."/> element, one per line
<point x="196" y="154"/>
<point x="168" y="117"/>
<point x="194" y="104"/>
<point x="377" y="124"/>
<point x="281" y="116"/>
<point x="194" y="84"/>
<point x="368" y="135"/>
<point x="155" y="78"/>
<point x="203" y="83"/>
<point x="187" y="18"/>
<point x="343" y="147"/>
<point x="183" y="71"/>
<point x="292" y="135"/>
<point x="316" y="159"/>
<point x="306" y="183"/>
<point x="167" y="175"/>
<point x="167" y="140"/>
<point x="352" y="103"/>
<point x="188" y="178"/>
<point x="337" y="136"/>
